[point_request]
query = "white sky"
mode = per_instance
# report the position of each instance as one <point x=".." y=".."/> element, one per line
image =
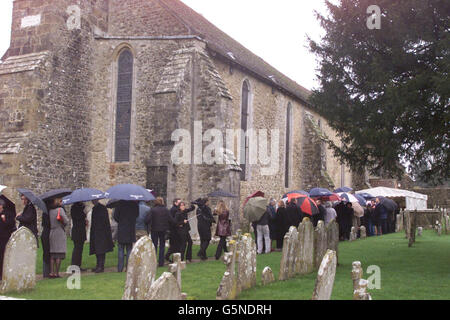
<point x="275" y="32"/>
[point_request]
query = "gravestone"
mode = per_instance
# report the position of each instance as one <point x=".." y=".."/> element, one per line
<point x="306" y="247"/>
<point x="438" y="228"/>
<point x="246" y="263"/>
<point x="325" y="277"/>
<point x="419" y="231"/>
<point x="289" y="255"/>
<point x="362" y="232"/>
<point x="399" y="222"/>
<point x="164" y="288"/>
<point x="267" y="276"/>
<point x="320" y="243"/>
<point x="359" y="284"/>
<point x="411" y="227"/>
<point x="357" y="273"/>
<point x="447" y="224"/>
<point x="353" y="235"/>
<point x="228" y="286"/>
<point x="19" y="262"/>
<point x="333" y="237"/>
<point x="141" y="270"/>
<point x="176" y="267"/>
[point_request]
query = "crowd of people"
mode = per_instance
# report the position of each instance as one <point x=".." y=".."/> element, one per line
<point x="137" y="219"/>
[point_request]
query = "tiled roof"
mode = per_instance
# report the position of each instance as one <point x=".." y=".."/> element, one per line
<point x="230" y="49"/>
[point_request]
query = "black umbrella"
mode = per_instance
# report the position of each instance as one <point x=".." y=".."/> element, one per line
<point x="9" y="205"/>
<point x="56" y="193"/>
<point x="129" y="192"/>
<point x="389" y="204"/>
<point x="83" y="195"/>
<point x="366" y="195"/>
<point x="112" y="203"/>
<point x="221" y="194"/>
<point x="343" y="189"/>
<point x="33" y="198"/>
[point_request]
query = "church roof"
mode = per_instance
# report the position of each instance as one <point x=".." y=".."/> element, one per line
<point x="26" y="62"/>
<point x="228" y="48"/>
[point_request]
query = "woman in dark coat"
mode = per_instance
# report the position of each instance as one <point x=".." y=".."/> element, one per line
<point x="282" y="224"/>
<point x="205" y="220"/>
<point x="294" y="214"/>
<point x="45" y="240"/>
<point x="28" y="217"/>
<point x="7" y="226"/>
<point x="101" y="235"/>
<point x="125" y="213"/>
<point x="183" y="228"/>
<point x="223" y="229"/>
<point x="78" y="232"/>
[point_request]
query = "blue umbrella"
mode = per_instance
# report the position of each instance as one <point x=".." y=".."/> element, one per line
<point x="296" y="191"/>
<point x="320" y="192"/>
<point x="361" y="200"/>
<point x="343" y="189"/>
<point x="33" y="198"/>
<point x="83" y="195"/>
<point x="347" y="197"/>
<point x="56" y="193"/>
<point x="129" y="192"/>
<point x="366" y="195"/>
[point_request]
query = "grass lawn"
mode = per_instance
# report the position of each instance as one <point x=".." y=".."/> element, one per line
<point x="420" y="272"/>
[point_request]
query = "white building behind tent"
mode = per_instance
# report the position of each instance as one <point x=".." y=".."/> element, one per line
<point x="413" y="200"/>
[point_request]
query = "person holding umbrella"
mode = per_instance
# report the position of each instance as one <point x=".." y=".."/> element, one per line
<point x="58" y="241"/>
<point x="223" y="229"/>
<point x="100" y="236"/>
<point x="183" y="228"/>
<point x="7" y="226"/>
<point x="294" y="214"/>
<point x="174" y="239"/>
<point x="79" y="223"/>
<point x="28" y="217"/>
<point x="262" y="227"/>
<point x="205" y="220"/>
<point x="282" y="224"/>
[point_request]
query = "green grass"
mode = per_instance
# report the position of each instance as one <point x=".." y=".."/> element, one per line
<point x="420" y="272"/>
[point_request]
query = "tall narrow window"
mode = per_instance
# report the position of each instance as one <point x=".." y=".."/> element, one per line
<point x="288" y="145"/>
<point x="245" y="112"/>
<point x="123" y="108"/>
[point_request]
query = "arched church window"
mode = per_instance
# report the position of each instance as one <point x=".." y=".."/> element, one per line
<point x="123" y="107"/>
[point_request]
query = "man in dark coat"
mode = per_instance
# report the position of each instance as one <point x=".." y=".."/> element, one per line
<point x="78" y="233"/>
<point x="272" y="225"/>
<point x="100" y="236"/>
<point x="205" y="220"/>
<point x="174" y="238"/>
<point x="321" y="215"/>
<point x="125" y="213"/>
<point x="7" y="226"/>
<point x="28" y="217"/>
<point x="45" y="239"/>
<point x="294" y="214"/>
<point x="341" y="219"/>
<point x="183" y="229"/>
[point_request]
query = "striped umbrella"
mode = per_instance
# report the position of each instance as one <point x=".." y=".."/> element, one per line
<point x="307" y="206"/>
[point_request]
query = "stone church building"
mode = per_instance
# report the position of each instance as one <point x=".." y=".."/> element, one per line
<point x="91" y="92"/>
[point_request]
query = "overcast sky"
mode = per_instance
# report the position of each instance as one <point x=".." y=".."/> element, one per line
<point x="275" y="32"/>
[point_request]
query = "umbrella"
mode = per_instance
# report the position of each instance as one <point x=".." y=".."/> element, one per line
<point x="256" y="194"/>
<point x="333" y="197"/>
<point x="9" y="205"/>
<point x="307" y="206"/>
<point x="343" y="189"/>
<point x="129" y="192"/>
<point x="255" y="208"/>
<point x="347" y="197"/>
<point x="296" y="191"/>
<point x="221" y="194"/>
<point x="83" y="195"/>
<point x="33" y="198"/>
<point x="291" y="196"/>
<point x="358" y="210"/>
<point x="361" y="200"/>
<point x="319" y="192"/>
<point x="366" y="195"/>
<point x="389" y="204"/>
<point x="112" y="203"/>
<point x="56" y="193"/>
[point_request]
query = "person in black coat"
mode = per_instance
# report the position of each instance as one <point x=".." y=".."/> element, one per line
<point x="321" y="215"/>
<point x="281" y="223"/>
<point x="125" y="213"/>
<point x="28" y="217"/>
<point x="78" y="232"/>
<point x="100" y="236"/>
<point x="159" y="221"/>
<point x="45" y="239"/>
<point x="294" y="214"/>
<point x="7" y="227"/>
<point x="205" y="220"/>
<point x="183" y="228"/>
<point x="174" y="239"/>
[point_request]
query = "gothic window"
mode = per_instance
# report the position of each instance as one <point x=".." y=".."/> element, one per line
<point x="123" y="107"/>
<point x="245" y="117"/>
<point x="288" y="145"/>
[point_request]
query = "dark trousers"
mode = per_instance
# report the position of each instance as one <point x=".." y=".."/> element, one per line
<point x="46" y="255"/>
<point x="221" y="246"/>
<point x="121" y="255"/>
<point x="3" y="243"/>
<point x="160" y="237"/>
<point x="185" y="246"/>
<point x="203" y="246"/>
<point x="384" y="226"/>
<point x="101" y="261"/>
<point x="279" y="243"/>
<point x="174" y="244"/>
<point x="77" y="253"/>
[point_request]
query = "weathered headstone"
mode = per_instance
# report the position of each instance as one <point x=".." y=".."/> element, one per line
<point x="362" y="232"/>
<point x="228" y="286"/>
<point x="359" y="284"/>
<point x="325" y="277"/>
<point x="267" y="276"/>
<point x="19" y="262"/>
<point x="419" y="231"/>
<point x="438" y="228"/>
<point x="141" y="270"/>
<point x="289" y="255"/>
<point x="357" y="273"/>
<point x="320" y="243"/>
<point x="447" y="224"/>
<point x="246" y="263"/>
<point x="176" y="267"/>
<point x="399" y="222"/>
<point x="353" y="234"/>
<point x="333" y="237"/>
<point x="164" y="288"/>
<point x="305" y="259"/>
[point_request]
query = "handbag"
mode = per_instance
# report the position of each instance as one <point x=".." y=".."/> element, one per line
<point x="58" y="217"/>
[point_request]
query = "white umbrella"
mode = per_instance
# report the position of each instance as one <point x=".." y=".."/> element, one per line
<point x="348" y="197"/>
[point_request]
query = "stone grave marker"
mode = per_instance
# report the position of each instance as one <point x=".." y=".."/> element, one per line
<point x="246" y="263"/>
<point x="289" y="255"/>
<point x="176" y="267"/>
<point x="447" y="224"/>
<point x="359" y="284"/>
<point x="141" y="270"/>
<point x="267" y="276"/>
<point x="306" y="247"/>
<point x="333" y="237"/>
<point x="320" y="243"/>
<point x="419" y="231"/>
<point x="362" y="232"/>
<point x="325" y="277"/>
<point x="19" y="262"/>
<point x="228" y="286"/>
<point x="164" y="288"/>
<point x="353" y="234"/>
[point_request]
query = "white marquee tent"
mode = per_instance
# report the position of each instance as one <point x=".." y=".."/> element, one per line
<point x="413" y="200"/>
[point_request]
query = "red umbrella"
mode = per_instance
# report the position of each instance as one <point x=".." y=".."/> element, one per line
<point x="254" y="195"/>
<point x="333" y="197"/>
<point x="308" y="206"/>
<point x="295" y="196"/>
